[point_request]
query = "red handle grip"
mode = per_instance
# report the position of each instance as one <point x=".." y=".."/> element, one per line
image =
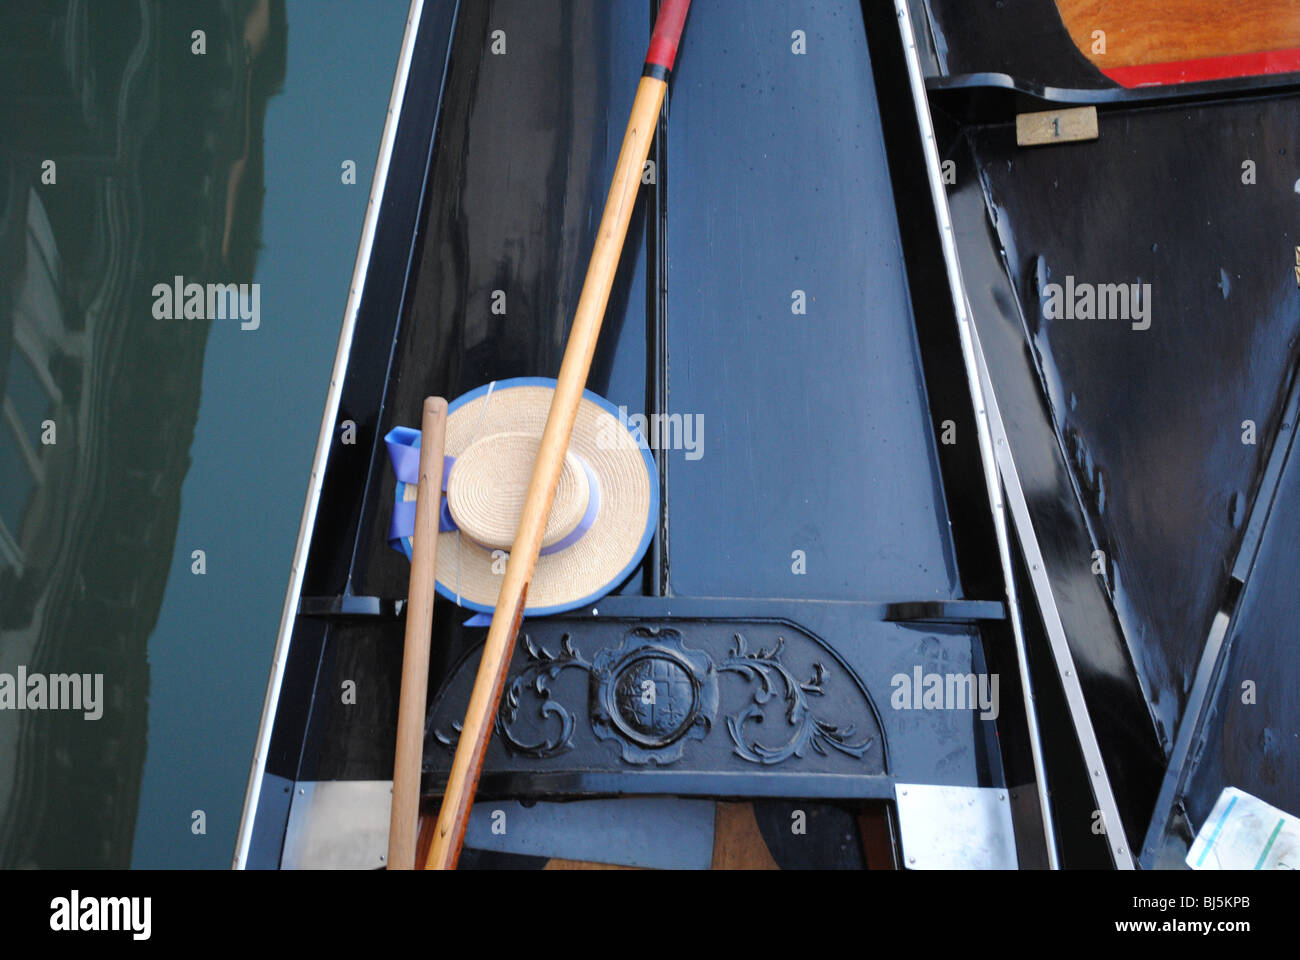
<point x="667" y="33"/>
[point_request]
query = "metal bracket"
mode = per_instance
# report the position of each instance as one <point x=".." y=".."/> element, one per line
<point x="338" y="825"/>
<point x="955" y="828"/>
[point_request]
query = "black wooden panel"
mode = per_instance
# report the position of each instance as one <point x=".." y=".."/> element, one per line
<point x="527" y="145"/>
<point x="816" y="429"/>
<point x="1151" y="420"/>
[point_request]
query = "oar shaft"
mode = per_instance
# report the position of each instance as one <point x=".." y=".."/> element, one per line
<point x="419" y="622"/>
<point x="449" y="834"/>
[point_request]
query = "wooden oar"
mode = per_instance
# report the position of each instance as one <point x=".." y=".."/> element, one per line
<point x="419" y="623"/>
<point x="449" y="833"/>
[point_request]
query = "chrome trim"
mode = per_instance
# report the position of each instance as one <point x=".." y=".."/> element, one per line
<point x="1102" y="793"/>
<point x="965" y="331"/>
<point x="993" y="433"/>
<point x="326" y="434"/>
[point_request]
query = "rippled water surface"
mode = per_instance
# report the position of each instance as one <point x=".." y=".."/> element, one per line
<point x="135" y="432"/>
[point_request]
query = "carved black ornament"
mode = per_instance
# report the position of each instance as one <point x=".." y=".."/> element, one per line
<point x="652" y="694"/>
<point x="766" y="669"/>
<point x="538" y="676"/>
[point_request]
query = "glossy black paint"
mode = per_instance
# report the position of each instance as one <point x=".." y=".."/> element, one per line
<point x="343" y="490"/>
<point x="772" y="176"/>
<point x="1117" y="705"/>
<point x="860" y="656"/>
<point x="949" y="397"/>
<point x="1234" y="732"/>
<point x="1250" y="729"/>
<point x="1147" y="463"/>
<point x="1152" y="419"/>
<point x="513" y="200"/>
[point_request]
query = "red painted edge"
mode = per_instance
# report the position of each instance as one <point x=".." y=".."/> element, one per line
<point x="1206" y="68"/>
<point x="667" y="33"/>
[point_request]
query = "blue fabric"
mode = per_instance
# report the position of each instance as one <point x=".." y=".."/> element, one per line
<point x="588" y="518"/>
<point x="403" y="445"/>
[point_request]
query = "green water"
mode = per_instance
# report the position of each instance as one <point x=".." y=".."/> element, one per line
<point x="170" y="435"/>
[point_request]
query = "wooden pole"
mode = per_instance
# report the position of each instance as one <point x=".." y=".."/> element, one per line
<point x="407" y="763"/>
<point x="449" y="834"/>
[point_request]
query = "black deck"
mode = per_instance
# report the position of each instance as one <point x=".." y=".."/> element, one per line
<point x="784" y="178"/>
<point x="1128" y="441"/>
<point x="819" y="449"/>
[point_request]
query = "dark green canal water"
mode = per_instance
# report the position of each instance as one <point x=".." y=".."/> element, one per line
<point x="133" y="435"/>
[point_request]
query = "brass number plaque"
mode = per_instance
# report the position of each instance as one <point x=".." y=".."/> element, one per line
<point x="1056" y="126"/>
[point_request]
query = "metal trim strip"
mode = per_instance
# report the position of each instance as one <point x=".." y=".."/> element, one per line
<point x="965" y="332"/>
<point x="1102" y="792"/>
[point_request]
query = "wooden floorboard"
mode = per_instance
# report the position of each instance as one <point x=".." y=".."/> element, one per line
<point x="737" y="842"/>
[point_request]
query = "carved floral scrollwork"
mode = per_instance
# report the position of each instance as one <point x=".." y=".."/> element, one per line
<point x="651" y="693"/>
<point x="536" y="679"/>
<point x="765" y="667"/>
<point x="533" y="682"/>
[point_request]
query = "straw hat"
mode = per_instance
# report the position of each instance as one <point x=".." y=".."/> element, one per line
<point x="604" y="514"/>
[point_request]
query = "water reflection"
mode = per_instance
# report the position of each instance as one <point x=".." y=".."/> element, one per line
<point x="156" y="170"/>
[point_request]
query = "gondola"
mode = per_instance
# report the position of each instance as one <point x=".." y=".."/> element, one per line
<point x="943" y="579"/>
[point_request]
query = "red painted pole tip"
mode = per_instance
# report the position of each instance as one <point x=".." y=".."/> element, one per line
<point x="667" y="33"/>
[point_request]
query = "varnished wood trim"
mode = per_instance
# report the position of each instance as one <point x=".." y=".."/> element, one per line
<point x="1162" y="31"/>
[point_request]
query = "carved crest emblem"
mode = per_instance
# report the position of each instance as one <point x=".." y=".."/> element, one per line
<point x="652" y="694"/>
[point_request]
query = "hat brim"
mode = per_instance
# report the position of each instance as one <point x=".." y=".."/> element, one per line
<point x="470" y="575"/>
